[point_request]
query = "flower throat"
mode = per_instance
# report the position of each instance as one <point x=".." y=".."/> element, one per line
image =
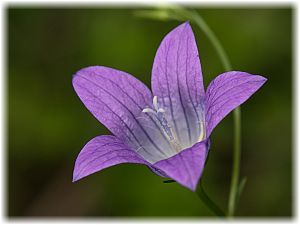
<point x="159" y="115"/>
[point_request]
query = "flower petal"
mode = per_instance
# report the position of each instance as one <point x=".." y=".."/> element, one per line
<point x="226" y="92"/>
<point x="117" y="100"/>
<point x="102" y="152"/>
<point x="187" y="166"/>
<point x="177" y="81"/>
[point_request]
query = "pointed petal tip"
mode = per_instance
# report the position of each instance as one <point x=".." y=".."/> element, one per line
<point x="187" y="166"/>
<point x="76" y="174"/>
<point x="193" y="184"/>
<point x="187" y="23"/>
<point x="232" y="88"/>
<point x="259" y="77"/>
<point x="262" y="80"/>
<point x="190" y="186"/>
<point x="181" y="27"/>
<point x="74" y="179"/>
<point x="102" y="152"/>
<point x="193" y="188"/>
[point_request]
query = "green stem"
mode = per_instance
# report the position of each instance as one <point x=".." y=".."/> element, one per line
<point x="213" y="38"/>
<point x="236" y="162"/>
<point x="236" y="113"/>
<point x="208" y="202"/>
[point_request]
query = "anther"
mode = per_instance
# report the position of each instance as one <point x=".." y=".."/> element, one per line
<point x="148" y="110"/>
<point x="155" y="103"/>
<point x="202" y="132"/>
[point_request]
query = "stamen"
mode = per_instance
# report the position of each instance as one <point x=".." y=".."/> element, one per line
<point x="202" y="133"/>
<point x="155" y="103"/>
<point x="161" y="110"/>
<point x="159" y="114"/>
<point x="148" y="110"/>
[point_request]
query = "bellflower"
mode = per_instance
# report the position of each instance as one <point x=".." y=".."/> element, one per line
<point x="167" y="129"/>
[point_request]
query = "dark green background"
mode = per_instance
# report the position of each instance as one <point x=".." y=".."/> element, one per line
<point x="48" y="125"/>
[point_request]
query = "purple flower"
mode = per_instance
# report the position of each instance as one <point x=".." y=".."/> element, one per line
<point x="167" y="129"/>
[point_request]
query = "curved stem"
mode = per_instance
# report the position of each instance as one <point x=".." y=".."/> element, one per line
<point x="236" y="162"/>
<point x="213" y="38"/>
<point x="208" y="202"/>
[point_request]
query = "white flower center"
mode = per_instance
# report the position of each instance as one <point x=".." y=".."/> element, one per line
<point x="159" y="114"/>
<point x="167" y="138"/>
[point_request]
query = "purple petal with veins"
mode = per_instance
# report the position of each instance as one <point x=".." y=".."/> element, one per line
<point x="177" y="82"/>
<point x="226" y="92"/>
<point x="102" y="152"/>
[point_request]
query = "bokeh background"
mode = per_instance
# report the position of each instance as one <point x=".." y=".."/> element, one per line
<point x="48" y="125"/>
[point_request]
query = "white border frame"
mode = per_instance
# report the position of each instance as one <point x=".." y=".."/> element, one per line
<point x="77" y="3"/>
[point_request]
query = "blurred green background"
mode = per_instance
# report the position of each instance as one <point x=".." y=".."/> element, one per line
<point x="48" y="125"/>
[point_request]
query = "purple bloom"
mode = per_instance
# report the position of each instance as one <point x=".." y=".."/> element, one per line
<point x="167" y="129"/>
